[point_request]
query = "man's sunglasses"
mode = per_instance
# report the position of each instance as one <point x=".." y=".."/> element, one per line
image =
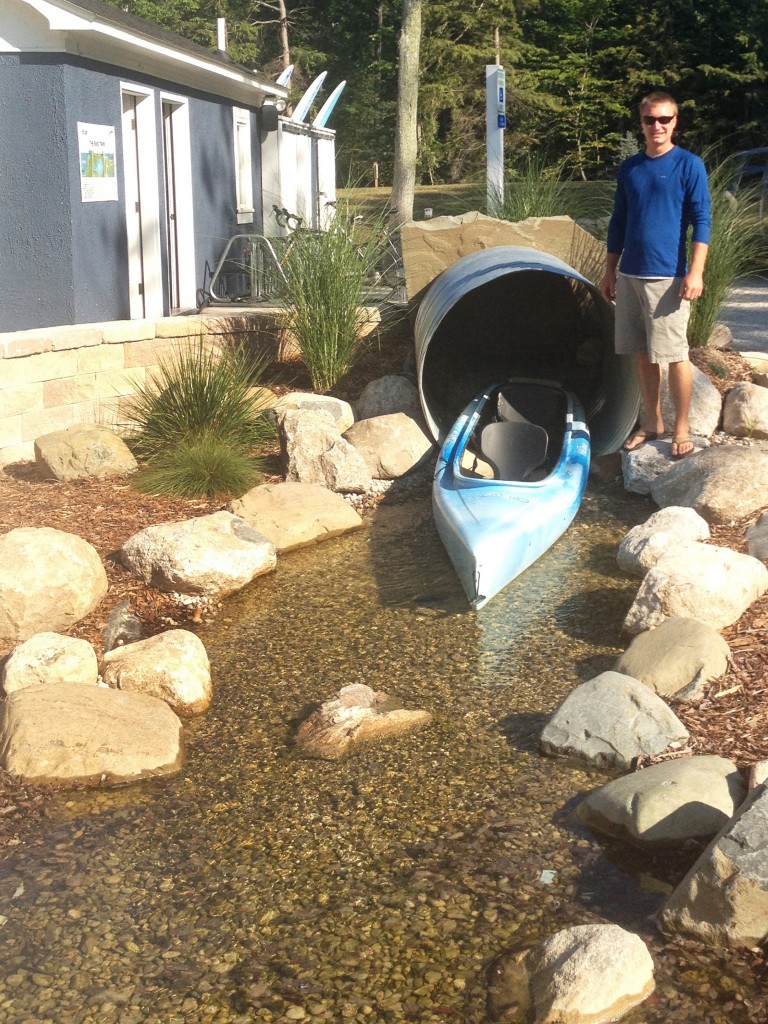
<point x="664" y="119"/>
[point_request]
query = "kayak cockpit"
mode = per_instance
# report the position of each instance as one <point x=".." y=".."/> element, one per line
<point x="519" y="433"/>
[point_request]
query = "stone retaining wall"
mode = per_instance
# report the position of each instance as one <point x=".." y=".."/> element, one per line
<point x="52" y="378"/>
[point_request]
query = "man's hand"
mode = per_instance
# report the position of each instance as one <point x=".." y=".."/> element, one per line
<point x="692" y="286"/>
<point x="608" y="285"/>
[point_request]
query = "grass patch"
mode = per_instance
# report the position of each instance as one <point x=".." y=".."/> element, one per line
<point x="197" y="424"/>
<point x="201" y="466"/>
<point x="738" y="246"/>
<point x="327" y="274"/>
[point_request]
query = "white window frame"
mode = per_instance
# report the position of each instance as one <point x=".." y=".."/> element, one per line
<point x="241" y="124"/>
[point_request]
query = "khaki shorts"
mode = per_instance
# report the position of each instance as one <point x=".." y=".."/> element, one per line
<point x="651" y="318"/>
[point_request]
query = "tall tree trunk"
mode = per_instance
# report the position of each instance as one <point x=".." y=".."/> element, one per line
<point x="286" y="55"/>
<point x="406" y="138"/>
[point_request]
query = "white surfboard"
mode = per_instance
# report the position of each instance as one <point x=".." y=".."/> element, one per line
<point x="327" y="108"/>
<point x="302" y="108"/>
<point x="285" y="76"/>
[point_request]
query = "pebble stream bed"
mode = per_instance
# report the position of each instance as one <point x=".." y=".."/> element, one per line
<point x="260" y="886"/>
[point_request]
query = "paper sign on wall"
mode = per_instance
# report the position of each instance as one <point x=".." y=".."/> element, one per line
<point x="98" y="180"/>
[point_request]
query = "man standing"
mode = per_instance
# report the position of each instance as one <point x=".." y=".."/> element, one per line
<point x="660" y="193"/>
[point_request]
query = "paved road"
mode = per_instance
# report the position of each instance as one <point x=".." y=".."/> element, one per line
<point x="746" y="313"/>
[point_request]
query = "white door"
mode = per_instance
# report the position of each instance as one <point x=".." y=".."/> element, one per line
<point x="179" y="232"/>
<point x="142" y="205"/>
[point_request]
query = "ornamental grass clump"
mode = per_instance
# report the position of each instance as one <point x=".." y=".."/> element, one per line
<point x="197" y="427"/>
<point x="534" y="190"/>
<point x="738" y="245"/>
<point x="327" y="274"/>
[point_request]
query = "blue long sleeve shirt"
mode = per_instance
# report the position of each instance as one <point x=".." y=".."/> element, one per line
<point x="657" y="199"/>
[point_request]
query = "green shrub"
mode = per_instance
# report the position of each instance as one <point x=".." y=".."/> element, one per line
<point x="197" y="418"/>
<point x="327" y="274"/>
<point x="738" y="246"/>
<point x="200" y="465"/>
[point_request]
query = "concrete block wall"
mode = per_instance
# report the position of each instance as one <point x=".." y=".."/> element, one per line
<point x="55" y="377"/>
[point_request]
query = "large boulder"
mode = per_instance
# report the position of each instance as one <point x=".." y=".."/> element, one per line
<point x="341" y="412"/>
<point x="706" y="403"/>
<point x="314" y="452"/>
<point x="678" y="659"/>
<point x="391" y="445"/>
<point x="667" y="803"/>
<point x="610" y="721"/>
<point x="292" y="515"/>
<point x="696" y="580"/>
<point x="172" y="666"/>
<point x="723" y="483"/>
<point x="49" y="580"/>
<point x="642" y="466"/>
<point x="745" y="412"/>
<point x="50" y="658"/>
<point x="644" y="544"/>
<point x="82" y="451"/>
<point x="723" y="899"/>
<point x="356" y="715"/>
<point x="386" y="395"/>
<point x="213" y="555"/>
<point x="72" y="733"/>
<point x="589" y="974"/>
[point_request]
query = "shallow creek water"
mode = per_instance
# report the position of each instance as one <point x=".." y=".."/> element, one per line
<point x="259" y="886"/>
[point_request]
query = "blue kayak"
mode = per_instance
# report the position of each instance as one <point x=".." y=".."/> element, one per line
<point x="509" y="480"/>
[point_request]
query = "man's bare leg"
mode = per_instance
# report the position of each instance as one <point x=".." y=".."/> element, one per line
<point x="651" y="422"/>
<point x="680" y="390"/>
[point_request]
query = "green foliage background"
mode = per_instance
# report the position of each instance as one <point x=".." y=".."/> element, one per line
<point x="575" y="70"/>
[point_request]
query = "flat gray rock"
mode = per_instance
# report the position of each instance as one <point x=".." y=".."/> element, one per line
<point x="757" y="538"/>
<point x="642" y="467"/>
<point x="293" y="514"/>
<point x="723" y="900"/>
<point x="667" y="803"/>
<point x="679" y="658"/>
<point x="610" y="721"/>
<point x="723" y="483"/>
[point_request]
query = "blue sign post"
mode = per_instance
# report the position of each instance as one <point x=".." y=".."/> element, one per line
<point x="496" y="122"/>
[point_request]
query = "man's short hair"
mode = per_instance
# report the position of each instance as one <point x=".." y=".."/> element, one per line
<point x="657" y="97"/>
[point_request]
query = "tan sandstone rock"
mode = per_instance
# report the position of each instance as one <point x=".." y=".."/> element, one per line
<point x="356" y="715"/>
<point x="72" y="733"/>
<point x="172" y="666"/>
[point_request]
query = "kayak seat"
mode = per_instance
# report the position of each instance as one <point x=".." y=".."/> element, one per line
<point x="530" y="402"/>
<point x="514" y="449"/>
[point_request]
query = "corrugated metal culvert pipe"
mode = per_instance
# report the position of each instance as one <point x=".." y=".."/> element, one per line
<point x="511" y="311"/>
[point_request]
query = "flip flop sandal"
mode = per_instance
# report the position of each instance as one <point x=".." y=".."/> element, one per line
<point x="643" y="436"/>
<point x="676" y="442"/>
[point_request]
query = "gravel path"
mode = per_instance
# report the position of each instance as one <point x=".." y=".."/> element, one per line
<point x="746" y="313"/>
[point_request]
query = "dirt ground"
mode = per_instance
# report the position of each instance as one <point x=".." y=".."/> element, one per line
<point x="730" y="720"/>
